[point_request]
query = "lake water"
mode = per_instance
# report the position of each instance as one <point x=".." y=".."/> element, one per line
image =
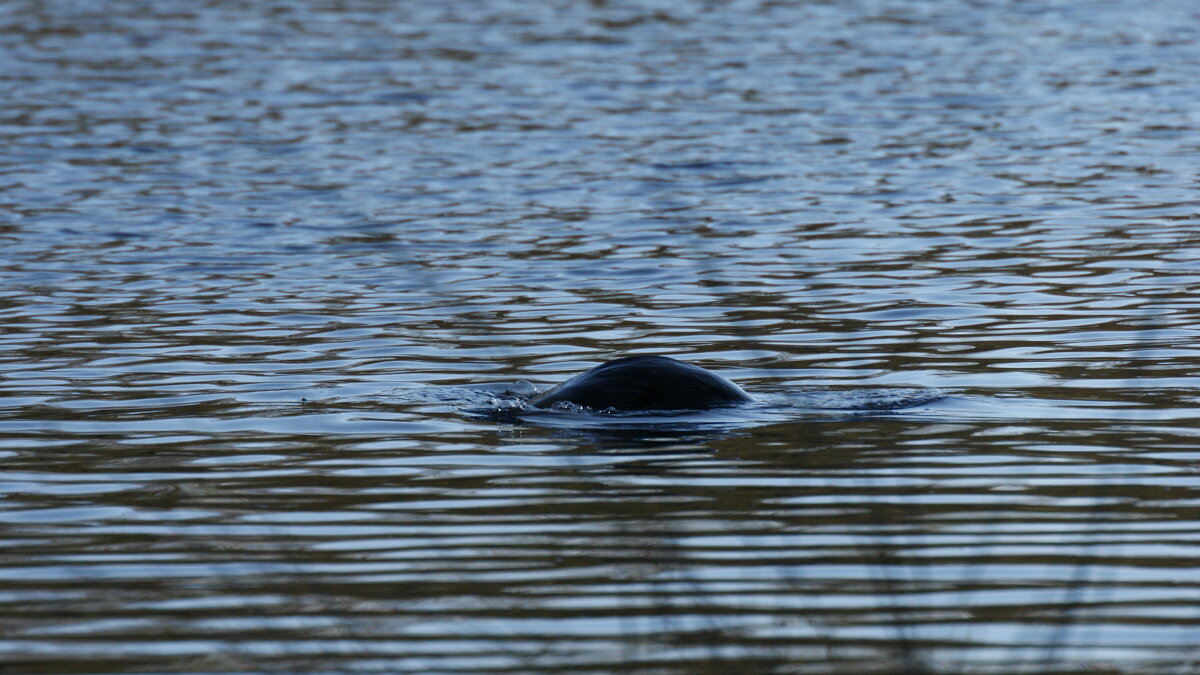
<point x="260" y="260"/>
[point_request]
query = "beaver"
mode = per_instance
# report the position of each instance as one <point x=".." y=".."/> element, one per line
<point x="636" y="383"/>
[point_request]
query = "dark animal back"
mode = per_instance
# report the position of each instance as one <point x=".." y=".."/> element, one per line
<point x="645" y="383"/>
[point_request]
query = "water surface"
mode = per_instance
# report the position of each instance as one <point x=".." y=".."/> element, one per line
<point x="254" y="254"/>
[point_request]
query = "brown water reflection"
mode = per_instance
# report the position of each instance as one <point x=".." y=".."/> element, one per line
<point x="822" y="543"/>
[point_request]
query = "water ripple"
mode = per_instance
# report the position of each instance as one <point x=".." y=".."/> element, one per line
<point x="259" y="263"/>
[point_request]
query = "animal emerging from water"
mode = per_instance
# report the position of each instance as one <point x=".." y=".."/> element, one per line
<point x="643" y="383"/>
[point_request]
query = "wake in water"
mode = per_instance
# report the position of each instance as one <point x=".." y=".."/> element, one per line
<point x="659" y="390"/>
<point x="511" y="403"/>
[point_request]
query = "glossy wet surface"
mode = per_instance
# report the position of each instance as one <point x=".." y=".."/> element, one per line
<point x="262" y="263"/>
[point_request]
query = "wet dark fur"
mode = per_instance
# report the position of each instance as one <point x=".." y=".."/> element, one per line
<point x="645" y="383"/>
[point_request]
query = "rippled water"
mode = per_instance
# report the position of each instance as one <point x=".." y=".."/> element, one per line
<point x="260" y="261"/>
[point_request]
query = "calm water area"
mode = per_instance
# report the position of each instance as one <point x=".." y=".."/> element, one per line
<point x="263" y="263"/>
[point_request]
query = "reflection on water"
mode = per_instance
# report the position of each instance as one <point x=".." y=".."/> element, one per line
<point x="253" y="255"/>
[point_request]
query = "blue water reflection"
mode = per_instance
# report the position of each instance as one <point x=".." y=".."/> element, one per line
<point x="271" y="274"/>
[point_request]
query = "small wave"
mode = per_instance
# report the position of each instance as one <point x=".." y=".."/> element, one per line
<point x="509" y="403"/>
